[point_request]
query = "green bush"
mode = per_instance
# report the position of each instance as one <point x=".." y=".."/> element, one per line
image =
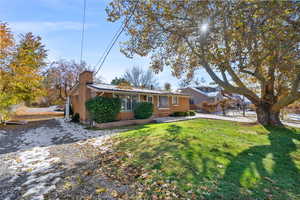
<point x="179" y="114"/>
<point x="192" y="113"/>
<point x="183" y="114"/>
<point x="143" y="110"/>
<point x="103" y="109"/>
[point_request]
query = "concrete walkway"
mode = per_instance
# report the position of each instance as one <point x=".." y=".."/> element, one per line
<point x="236" y="118"/>
<point x="204" y="116"/>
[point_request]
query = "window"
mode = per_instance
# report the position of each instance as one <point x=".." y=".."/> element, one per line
<point x="143" y="98"/>
<point x="192" y="101"/>
<point x="127" y="102"/>
<point x="135" y="99"/>
<point x="163" y="102"/>
<point x="150" y="99"/>
<point x="175" y="100"/>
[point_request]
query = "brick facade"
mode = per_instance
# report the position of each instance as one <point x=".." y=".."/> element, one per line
<point x="82" y="93"/>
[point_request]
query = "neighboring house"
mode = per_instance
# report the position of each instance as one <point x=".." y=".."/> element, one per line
<point x="165" y="102"/>
<point x="211" y="95"/>
<point x="202" y="94"/>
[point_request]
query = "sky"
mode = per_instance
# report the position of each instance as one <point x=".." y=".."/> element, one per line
<point x="59" y="23"/>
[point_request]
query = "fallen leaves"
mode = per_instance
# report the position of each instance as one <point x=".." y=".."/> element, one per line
<point x="100" y="190"/>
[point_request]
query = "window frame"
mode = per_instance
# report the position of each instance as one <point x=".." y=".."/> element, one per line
<point x="151" y="98"/>
<point x="177" y="100"/>
<point x="124" y="96"/>
<point x="158" y="102"/>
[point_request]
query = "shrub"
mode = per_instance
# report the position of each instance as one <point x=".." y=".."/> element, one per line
<point x="103" y="109"/>
<point x="75" y="118"/>
<point x="209" y="107"/>
<point x="143" y="110"/>
<point x="192" y="113"/>
<point x="183" y="114"/>
<point x="179" y="114"/>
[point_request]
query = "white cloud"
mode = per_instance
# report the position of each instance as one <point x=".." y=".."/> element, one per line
<point x="44" y="26"/>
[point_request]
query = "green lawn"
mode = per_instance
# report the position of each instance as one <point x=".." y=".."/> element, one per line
<point x="208" y="159"/>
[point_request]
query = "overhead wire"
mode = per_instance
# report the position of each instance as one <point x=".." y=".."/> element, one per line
<point x="114" y="39"/>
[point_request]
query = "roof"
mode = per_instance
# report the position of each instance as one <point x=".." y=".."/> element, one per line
<point x="209" y="94"/>
<point x="115" y="88"/>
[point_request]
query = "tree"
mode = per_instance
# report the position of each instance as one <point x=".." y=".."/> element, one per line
<point x="6" y="44"/>
<point x="20" y="67"/>
<point x="25" y="67"/>
<point x="137" y="77"/>
<point x="60" y="77"/>
<point x="118" y="81"/>
<point x="167" y="86"/>
<point x="195" y="81"/>
<point x="247" y="47"/>
<point x="224" y="104"/>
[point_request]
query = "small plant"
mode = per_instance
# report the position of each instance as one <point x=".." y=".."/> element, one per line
<point x="177" y="114"/>
<point x="183" y="114"/>
<point x="103" y="109"/>
<point x="75" y="118"/>
<point x="143" y="110"/>
<point x="191" y="113"/>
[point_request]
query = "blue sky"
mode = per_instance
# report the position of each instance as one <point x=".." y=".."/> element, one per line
<point x="58" y="22"/>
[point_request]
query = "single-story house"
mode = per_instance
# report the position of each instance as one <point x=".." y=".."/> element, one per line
<point x="165" y="102"/>
<point x="202" y="94"/>
<point x="209" y="94"/>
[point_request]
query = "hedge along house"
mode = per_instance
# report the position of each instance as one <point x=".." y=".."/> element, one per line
<point x="164" y="102"/>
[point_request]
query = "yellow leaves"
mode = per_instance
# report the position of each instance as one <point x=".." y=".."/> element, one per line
<point x="100" y="190"/>
<point x="114" y="193"/>
<point x="67" y="185"/>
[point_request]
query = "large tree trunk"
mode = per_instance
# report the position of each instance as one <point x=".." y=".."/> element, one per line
<point x="267" y="117"/>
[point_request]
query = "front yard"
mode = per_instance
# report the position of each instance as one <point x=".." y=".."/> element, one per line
<point x="207" y="159"/>
<point x="195" y="159"/>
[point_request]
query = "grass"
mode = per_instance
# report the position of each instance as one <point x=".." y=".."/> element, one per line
<point x="210" y="159"/>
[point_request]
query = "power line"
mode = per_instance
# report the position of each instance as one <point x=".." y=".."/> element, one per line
<point x="108" y="46"/>
<point x="83" y="30"/>
<point x="114" y="39"/>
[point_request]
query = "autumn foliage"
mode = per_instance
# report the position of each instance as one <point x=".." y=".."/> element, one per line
<point x="247" y="47"/>
<point x="20" y="69"/>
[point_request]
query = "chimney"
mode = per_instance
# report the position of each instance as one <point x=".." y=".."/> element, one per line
<point x="85" y="77"/>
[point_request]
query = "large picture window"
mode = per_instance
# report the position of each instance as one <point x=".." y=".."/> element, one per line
<point x="163" y="102"/>
<point x="127" y="102"/>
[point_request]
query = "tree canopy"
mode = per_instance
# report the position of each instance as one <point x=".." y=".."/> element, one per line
<point x="118" y="81"/>
<point x="247" y="47"/>
<point x="138" y="77"/>
<point x="20" y="67"/>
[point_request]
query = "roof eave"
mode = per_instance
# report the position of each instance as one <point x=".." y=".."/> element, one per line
<point x="130" y="92"/>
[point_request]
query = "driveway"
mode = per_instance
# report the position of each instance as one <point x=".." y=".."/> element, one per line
<point x="36" y="157"/>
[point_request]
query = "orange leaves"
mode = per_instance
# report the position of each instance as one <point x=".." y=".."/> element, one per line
<point x="19" y="68"/>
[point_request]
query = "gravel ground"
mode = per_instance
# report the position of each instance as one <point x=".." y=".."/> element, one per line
<point x="37" y="157"/>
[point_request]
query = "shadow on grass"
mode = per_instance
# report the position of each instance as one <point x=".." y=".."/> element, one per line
<point x="248" y="169"/>
<point x="259" y="172"/>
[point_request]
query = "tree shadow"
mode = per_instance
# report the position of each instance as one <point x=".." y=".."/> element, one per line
<point x="259" y="172"/>
<point x="214" y="170"/>
<point x="248" y="170"/>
